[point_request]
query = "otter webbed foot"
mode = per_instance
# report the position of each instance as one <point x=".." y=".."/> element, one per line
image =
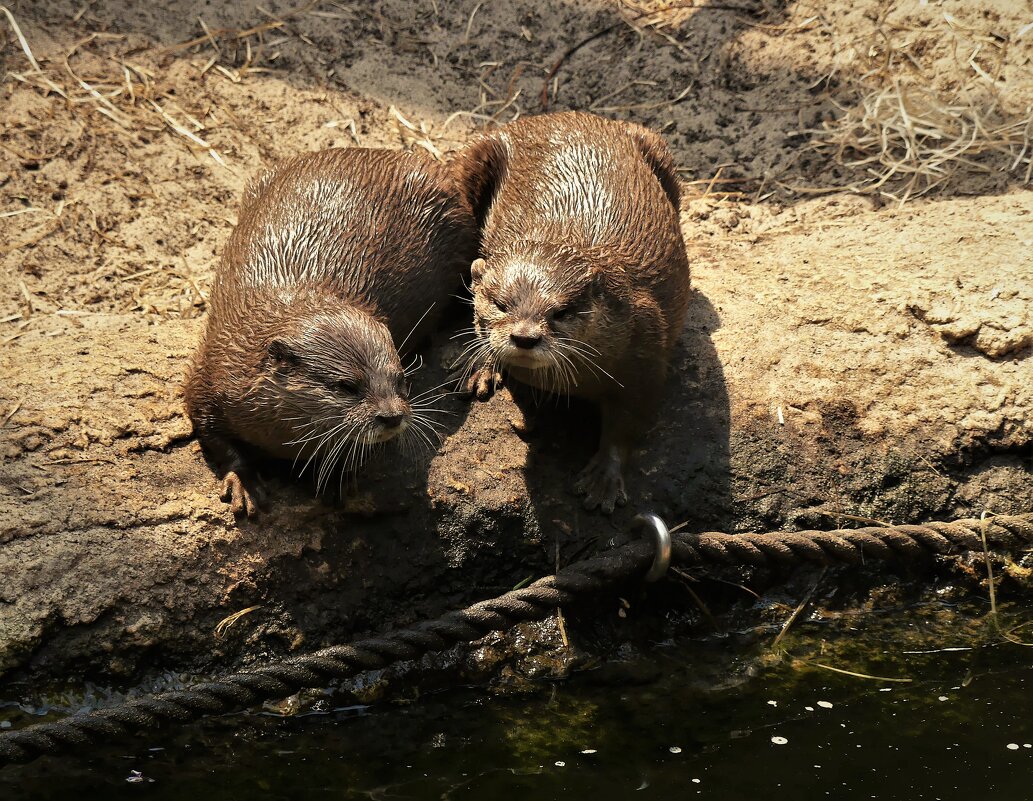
<point x="244" y="494"/>
<point x="483" y="383"/>
<point x="602" y="481"/>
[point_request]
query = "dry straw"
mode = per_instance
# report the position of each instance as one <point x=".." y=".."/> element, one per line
<point x="910" y="136"/>
<point x="128" y="94"/>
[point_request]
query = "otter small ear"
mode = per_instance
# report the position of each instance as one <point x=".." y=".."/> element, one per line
<point x="658" y="156"/>
<point x="599" y="280"/>
<point x="280" y="351"/>
<point x="477" y="269"/>
<point x="478" y="169"/>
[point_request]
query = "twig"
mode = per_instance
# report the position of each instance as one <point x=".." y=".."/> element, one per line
<point x="855" y="674"/>
<point x="687" y="579"/>
<point x="559" y="610"/>
<point x="798" y="610"/>
<point x="10" y="414"/>
<point x="569" y="52"/>
<point x="469" y="22"/>
<point x="21" y="39"/>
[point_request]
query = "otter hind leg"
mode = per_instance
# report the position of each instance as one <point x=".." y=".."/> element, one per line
<point x="241" y="486"/>
<point x="244" y="494"/>
<point x="624" y="419"/>
<point x="602" y="480"/>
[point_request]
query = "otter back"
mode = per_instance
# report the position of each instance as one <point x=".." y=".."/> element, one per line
<point x="340" y="258"/>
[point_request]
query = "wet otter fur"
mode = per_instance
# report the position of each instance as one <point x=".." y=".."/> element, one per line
<point x="583" y="282"/>
<point x="340" y="262"/>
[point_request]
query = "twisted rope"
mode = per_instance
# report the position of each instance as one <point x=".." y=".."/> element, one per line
<point x="853" y="546"/>
<point x="534" y="602"/>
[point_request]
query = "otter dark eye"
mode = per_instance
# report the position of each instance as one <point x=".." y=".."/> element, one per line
<point x="402" y="386"/>
<point x="564" y="313"/>
<point x="345" y="387"/>
<point x="500" y="305"/>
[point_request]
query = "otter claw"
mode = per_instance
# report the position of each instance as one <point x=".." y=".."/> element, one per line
<point x="241" y="499"/>
<point x="606" y="498"/>
<point x="483" y="383"/>
<point x="602" y="484"/>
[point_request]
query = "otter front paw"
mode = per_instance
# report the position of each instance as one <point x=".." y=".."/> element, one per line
<point x="602" y="482"/>
<point x="243" y="499"/>
<point x="483" y="383"/>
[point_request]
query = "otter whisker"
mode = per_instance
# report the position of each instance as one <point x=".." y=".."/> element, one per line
<point x="567" y="380"/>
<point x="338" y="457"/>
<point x="426" y="392"/>
<point x="368" y="444"/>
<point x="425" y="410"/>
<point x="470" y="355"/>
<point x="329" y="458"/>
<point x="424" y="436"/>
<point x="431" y="402"/>
<point x="430" y="423"/>
<point x="333" y="456"/>
<point x="580" y="343"/>
<point x="322" y="438"/>
<point x="428" y="441"/>
<point x="354" y="455"/>
<point x="416" y="325"/>
<point x="404" y="443"/>
<point x="476" y="341"/>
<point x="408" y="370"/>
<point x="465" y="332"/>
<point x="589" y="362"/>
<point x="304" y="418"/>
<point x="424" y="402"/>
<point x="316" y="450"/>
<point x="342" y="464"/>
<point x="483" y="353"/>
<point x="314" y="428"/>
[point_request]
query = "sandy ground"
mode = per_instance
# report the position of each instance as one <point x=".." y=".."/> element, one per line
<point x="845" y="356"/>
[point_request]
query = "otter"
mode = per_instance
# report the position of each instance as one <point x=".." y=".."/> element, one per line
<point x="582" y="284"/>
<point x="340" y="261"/>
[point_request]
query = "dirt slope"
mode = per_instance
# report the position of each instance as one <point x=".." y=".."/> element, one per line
<point x="843" y="356"/>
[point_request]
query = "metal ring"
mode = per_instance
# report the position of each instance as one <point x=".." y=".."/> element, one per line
<point x="662" y="560"/>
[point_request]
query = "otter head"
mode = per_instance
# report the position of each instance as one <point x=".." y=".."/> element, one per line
<point x="538" y="312"/>
<point x="337" y="384"/>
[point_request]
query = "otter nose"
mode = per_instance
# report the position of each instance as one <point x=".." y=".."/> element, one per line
<point x="525" y="341"/>
<point x="389" y="420"/>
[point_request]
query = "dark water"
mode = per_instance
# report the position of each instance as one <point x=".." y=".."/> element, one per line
<point x="720" y="718"/>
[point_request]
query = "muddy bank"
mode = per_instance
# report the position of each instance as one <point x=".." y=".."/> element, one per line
<point x="842" y="358"/>
<point x="119" y="557"/>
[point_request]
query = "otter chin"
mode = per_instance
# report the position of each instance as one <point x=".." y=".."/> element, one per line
<point x="340" y="263"/>
<point x="529" y="360"/>
<point x="583" y="282"/>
